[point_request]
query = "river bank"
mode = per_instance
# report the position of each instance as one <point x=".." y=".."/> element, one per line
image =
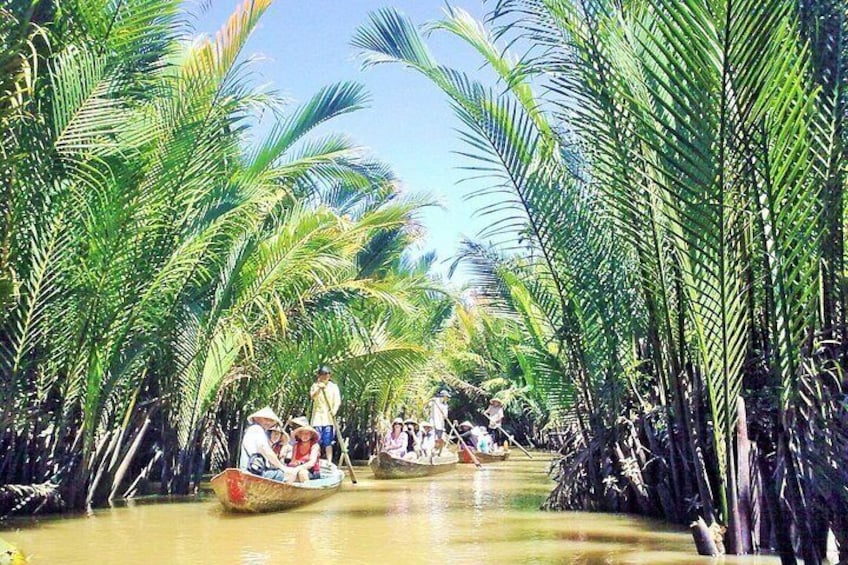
<point x="468" y="516"/>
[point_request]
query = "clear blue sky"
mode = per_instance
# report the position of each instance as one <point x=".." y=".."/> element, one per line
<point x="305" y="44"/>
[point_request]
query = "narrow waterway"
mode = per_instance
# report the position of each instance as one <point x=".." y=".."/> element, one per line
<point x="468" y="516"/>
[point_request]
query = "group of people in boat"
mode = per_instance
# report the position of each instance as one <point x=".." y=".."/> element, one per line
<point x="270" y="451"/>
<point x="410" y="440"/>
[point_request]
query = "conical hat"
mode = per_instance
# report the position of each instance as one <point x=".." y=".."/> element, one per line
<point x="264" y="413"/>
<point x="299" y="421"/>
<point x="306" y="430"/>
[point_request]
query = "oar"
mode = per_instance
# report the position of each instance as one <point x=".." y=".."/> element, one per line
<point x="342" y="444"/>
<point x="510" y="438"/>
<point x="459" y="437"/>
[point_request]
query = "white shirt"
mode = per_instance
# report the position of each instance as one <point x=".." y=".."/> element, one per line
<point x="253" y="441"/>
<point x="438" y="413"/>
<point x="428" y="442"/>
<point x="495" y="415"/>
<point x="321" y="413"/>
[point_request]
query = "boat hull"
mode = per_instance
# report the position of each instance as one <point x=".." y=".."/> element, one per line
<point x="465" y="457"/>
<point x="385" y="466"/>
<point x="240" y="491"/>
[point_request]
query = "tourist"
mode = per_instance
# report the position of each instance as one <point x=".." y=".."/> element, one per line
<point x="305" y="454"/>
<point x="280" y="442"/>
<point x="413" y="436"/>
<point x="438" y="408"/>
<point x="495" y="414"/>
<point x="484" y="440"/>
<point x="428" y="439"/>
<point x="257" y="456"/>
<point x="326" y="400"/>
<point x="295" y="423"/>
<point x="396" y="440"/>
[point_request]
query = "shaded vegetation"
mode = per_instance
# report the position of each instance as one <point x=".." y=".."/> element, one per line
<point x="179" y="248"/>
<point x="669" y="248"/>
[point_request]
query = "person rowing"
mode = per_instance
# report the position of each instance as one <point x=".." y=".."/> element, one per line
<point x="326" y="400"/>
<point x="495" y="414"/>
<point x="257" y="455"/>
<point x="468" y="433"/>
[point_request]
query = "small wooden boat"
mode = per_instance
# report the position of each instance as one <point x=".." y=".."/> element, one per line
<point x="464" y="456"/>
<point x="387" y="467"/>
<point x="240" y="491"/>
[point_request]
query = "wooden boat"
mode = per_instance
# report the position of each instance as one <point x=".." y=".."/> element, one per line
<point x="385" y="466"/>
<point x="240" y="491"/>
<point x="464" y="457"/>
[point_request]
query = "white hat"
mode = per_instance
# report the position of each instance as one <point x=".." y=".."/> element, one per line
<point x="264" y="413"/>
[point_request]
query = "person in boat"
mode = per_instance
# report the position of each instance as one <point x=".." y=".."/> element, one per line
<point x="495" y="414"/>
<point x="257" y="455"/>
<point x="413" y="436"/>
<point x="305" y="462"/>
<point x="396" y="440"/>
<point x="295" y="423"/>
<point x="280" y="442"/>
<point x="438" y="412"/>
<point x="469" y="434"/>
<point x="326" y="400"/>
<point x="428" y="440"/>
<point x="484" y="440"/>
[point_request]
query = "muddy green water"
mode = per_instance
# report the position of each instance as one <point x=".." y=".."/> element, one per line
<point x="468" y="516"/>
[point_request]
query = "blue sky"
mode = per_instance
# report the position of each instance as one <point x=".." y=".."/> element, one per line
<point x="303" y="45"/>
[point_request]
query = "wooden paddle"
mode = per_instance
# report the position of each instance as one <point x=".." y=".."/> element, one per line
<point x="345" y="457"/>
<point x="510" y="438"/>
<point x="459" y="437"/>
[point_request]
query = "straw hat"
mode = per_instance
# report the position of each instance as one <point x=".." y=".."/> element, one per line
<point x="279" y="429"/>
<point x="300" y="421"/>
<point x="410" y="421"/>
<point x="466" y="424"/>
<point x="426" y="425"/>
<point x="444" y="394"/>
<point x="307" y="430"/>
<point x="266" y="413"/>
<point x="497" y="401"/>
<point x="397" y="421"/>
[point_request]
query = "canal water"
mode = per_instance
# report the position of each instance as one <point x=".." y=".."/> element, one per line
<point x="467" y="516"/>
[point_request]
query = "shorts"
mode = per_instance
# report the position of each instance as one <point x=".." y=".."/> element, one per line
<point x="439" y="433"/>
<point x="274" y="475"/>
<point x="327" y="435"/>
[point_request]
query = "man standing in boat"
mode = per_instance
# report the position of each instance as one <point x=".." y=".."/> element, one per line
<point x="495" y="414"/>
<point x="438" y="408"/>
<point x="326" y="400"/>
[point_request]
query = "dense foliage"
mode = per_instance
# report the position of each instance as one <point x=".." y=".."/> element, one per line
<point x="672" y="203"/>
<point x="176" y="250"/>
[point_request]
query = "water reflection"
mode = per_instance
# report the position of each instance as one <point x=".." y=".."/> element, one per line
<point x="468" y="516"/>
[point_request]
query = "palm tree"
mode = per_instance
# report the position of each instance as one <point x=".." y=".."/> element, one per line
<point x="680" y="150"/>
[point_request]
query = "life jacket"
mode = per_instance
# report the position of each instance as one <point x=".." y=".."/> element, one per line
<point x="301" y="455"/>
